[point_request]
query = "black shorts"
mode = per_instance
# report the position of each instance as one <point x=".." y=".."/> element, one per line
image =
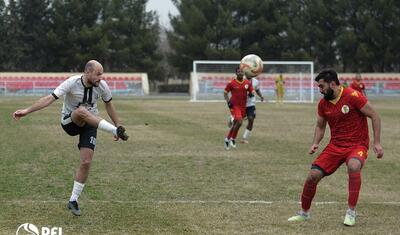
<point x="251" y="111"/>
<point x="87" y="134"/>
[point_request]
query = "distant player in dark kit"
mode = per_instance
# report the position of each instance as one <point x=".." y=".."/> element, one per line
<point x="346" y="111"/>
<point x="79" y="116"/>
<point x="240" y="89"/>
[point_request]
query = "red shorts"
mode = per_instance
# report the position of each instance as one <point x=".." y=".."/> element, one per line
<point x="238" y="112"/>
<point x="332" y="157"/>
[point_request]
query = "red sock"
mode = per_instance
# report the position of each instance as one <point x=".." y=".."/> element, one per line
<point x="308" y="194"/>
<point x="229" y="134"/>
<point x="234" y="134"/>
<point x="354" y="188"/>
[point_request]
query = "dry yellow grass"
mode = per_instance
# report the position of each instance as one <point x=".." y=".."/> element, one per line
<point x="174" y="177"/>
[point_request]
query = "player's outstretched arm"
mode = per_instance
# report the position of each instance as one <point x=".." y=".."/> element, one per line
<point x="228" y="102"/>
<point x="258" y="92"/>
<point x="38" y="105"/>
<point x="318" y="134"/>
<point x="226" y="97"/>
<point x="370" y="112"/>
<point x="112" y="113"/>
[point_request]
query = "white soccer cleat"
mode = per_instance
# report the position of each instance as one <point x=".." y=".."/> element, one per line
<point x="301" y="216"/>
<point x="232" y="143"/>
<point x="226" y="144"/>
<point x="350" y="218"/>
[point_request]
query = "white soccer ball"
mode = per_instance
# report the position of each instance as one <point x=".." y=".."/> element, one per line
<point x="251" y="65"/>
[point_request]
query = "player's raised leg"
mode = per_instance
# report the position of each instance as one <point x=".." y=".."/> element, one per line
<point x="81" y="116"/>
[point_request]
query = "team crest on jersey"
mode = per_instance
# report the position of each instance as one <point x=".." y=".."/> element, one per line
<point x="246" y="86"/>
<point x="354" y="94"/>
<point x="345" y="109"/>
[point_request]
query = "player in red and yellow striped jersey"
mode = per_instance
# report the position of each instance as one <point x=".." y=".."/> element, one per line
<point x="239" y="88"/>
<point x="346" y="111"/>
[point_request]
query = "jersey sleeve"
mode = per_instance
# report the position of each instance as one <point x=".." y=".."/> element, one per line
<point x="358" y="100"/>
<point x="228" y="87"/>
<point x="63" y="88"/>
<point x="106" y="95"/>
<point x="320" y="110"/>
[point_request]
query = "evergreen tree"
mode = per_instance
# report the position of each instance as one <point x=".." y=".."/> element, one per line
<point x="34" y="23"/>
<point x="380" y="30"/>
<point x="324" y="22"/>
<point x="228" y="30"/>
<point x="13" y="48"/>
<point x="187" y="37"/>
<point x="3" y="34"/>
<point x="76" y="35"/>
<point x="133" y="34"/>
<point x="60" y="35"/>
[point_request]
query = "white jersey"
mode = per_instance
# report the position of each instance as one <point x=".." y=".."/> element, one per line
<point x="77" y="94"/>
<point x="251" y="101"/>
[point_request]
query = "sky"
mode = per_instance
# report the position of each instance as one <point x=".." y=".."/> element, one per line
<point x="162" y="7"/>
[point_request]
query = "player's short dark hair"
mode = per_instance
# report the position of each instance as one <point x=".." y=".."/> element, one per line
<point x="328" y="75"/>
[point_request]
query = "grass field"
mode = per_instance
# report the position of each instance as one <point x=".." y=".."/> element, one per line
<point x="173" y="176"/>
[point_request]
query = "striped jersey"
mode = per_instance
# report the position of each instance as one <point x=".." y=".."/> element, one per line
<point x="77" y="94"/>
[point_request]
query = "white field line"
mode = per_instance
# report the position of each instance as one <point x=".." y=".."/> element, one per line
<point x="192" y="202"/>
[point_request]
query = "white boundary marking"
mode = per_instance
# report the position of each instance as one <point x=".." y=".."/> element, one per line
<point x="194" y="202"/>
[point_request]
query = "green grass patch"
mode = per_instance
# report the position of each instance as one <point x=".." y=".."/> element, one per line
<point x="173" y="176"/>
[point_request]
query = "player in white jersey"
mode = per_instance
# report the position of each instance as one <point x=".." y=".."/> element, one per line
<point x="80" y="117"/>
<point x="251" y="110"/>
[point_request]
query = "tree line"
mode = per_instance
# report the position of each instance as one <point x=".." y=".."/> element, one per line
<point x="349" y="35"/>
<point x="60" y="35"/>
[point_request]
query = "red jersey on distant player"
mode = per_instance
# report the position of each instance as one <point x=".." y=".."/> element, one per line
<point x="349" y="127"/>
<point x="358" y="86"/>
<point x="239" y="91"/>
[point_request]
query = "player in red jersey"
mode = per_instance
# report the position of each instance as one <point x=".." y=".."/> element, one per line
<point x="358" y="85"/>
<point x="346" y="111"/>
<point x="239" y="88"/>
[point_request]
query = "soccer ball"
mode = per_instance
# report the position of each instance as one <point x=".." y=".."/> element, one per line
<point x="251" y="65"/>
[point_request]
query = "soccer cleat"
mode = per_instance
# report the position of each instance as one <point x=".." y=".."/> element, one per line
<point x="226" y="144"/>
<point x="350" y="218"/>
<point x="74" y="208"/>
<point x="232" y="143"/>
<point x="244" y="141"/>
<point x="301" y="216"/>
<point x="122" y="134"/>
